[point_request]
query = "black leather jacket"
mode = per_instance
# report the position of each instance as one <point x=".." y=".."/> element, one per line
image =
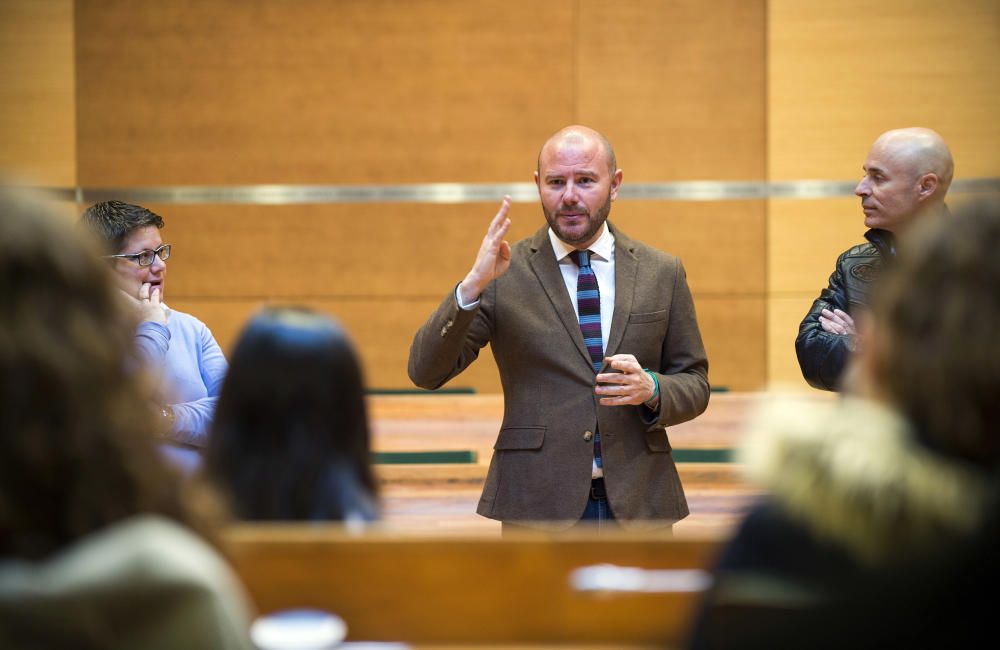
<point x="823" y="355"/>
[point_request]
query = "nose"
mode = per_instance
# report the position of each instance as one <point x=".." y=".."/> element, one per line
<point x="863" y="189"/>
<point x="158" y="265"/>
<point x="569" y="194"/>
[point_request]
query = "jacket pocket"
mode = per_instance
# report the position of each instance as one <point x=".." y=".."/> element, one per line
<point x="520" y="438"/>
<point x="650" y="317"/>
<point x="657" y="440"/>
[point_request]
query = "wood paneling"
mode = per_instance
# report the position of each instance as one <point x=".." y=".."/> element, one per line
<point x="398" y="92"/>
<point x="784" y="313"/>
<point x="840" y="74"/>
<point x="383" y="329"/>
<point x="242" y="92"/>
<point x="37" y="109"/>
<point x="678" y="88"/>
<point x="251" y="92"/>
<point x="804" y="239"/>
<point x="721" y="243"/>
<point x="333" y="250"/>
<point x="733" y="329"/>
<point x="383" y="268"/>
<point x="418" y="250"/>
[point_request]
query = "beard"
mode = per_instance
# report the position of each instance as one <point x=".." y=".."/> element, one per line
<point x="595" y="220"/>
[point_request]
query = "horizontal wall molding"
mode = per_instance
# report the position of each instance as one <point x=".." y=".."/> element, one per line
<point x="471" y="192"/>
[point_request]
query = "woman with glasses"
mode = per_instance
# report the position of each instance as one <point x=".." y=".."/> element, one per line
<point x="177" y="346"/>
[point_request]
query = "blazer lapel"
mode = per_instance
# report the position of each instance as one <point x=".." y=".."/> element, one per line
<point x="626" y="269"/>
<point x="546" y="269"/>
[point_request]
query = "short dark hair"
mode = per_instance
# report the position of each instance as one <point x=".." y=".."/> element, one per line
<point x="76" y="427"/>
<point x="290" y="437"/>
<point x="937" y="310"/>
<point x="112" y="221"/>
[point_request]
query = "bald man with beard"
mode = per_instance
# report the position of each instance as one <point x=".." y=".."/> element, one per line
<point x="906" y="177"/>
<point x="584" y="434"/>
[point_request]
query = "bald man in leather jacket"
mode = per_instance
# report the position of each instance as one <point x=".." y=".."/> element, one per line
<point x="907" y="175"/>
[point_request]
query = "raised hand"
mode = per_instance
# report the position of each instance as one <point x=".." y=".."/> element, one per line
<point x="493" y="258"/>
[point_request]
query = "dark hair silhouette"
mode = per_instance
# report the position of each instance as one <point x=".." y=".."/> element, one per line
<point x="290" y="439"/>
<point x="76" y="422"/>
<point x="940" y="358"/>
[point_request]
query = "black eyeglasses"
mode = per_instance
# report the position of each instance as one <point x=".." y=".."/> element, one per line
<point x="145" y="258"/>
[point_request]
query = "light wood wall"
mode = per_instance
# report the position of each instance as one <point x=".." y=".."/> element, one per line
<point x="37" y="104"/>
<point x="838" y="76"/>
<point x="406" y="92"/>
<point x="101" y="93"/>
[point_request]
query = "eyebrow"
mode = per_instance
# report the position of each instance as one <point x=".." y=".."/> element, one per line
<point x="579" y="172"/>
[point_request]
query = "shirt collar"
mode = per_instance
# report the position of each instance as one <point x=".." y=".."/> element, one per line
<point x="602" y="248"/>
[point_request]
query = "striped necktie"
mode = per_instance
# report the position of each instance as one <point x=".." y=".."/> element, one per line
<point x="588" y="304"/>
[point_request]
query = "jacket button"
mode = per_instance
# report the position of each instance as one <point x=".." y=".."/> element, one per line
<point x="588" y="436"/>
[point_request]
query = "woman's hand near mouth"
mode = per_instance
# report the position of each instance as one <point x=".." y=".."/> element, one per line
<point x="148" y="304"/>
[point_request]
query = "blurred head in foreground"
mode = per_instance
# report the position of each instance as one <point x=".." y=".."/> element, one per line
<point x="881" y="517"/>
<point x="76" y="427"/>
<point x="934" y="353"/>
<point x="290" y="440"/>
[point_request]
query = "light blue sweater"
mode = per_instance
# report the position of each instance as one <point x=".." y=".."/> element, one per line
<point x="190" y="366"/>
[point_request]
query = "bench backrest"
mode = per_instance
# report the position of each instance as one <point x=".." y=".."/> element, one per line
<point x="467" y="590"/>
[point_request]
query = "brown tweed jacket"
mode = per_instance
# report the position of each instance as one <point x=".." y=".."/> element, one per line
<point x="542" y="461"/>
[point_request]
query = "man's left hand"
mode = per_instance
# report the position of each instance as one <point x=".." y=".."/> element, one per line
<point x="631" y="385"/>
<point x="837" y="322"/>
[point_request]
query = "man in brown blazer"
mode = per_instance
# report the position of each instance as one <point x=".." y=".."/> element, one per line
<point x="528" y="301"/>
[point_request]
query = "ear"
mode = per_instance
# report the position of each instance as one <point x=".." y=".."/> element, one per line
<point x="537" y="180"/>
<point x="928" y="184"/>
<point x="616" y="182"/>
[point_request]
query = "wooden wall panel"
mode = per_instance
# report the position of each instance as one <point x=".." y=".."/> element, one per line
<point x="383" y="329"/>
<point x="398" y="92"/>
<point x="784" y="313"/>
<point x="385" y="250"/>
<point x="254" y="91"/>
<point x="678" y="88"/>
<point x="421" y="249"/>
<point x="395" y="92"/>
<point x="805" y="238"/>
<point x="37" y="109"/>
<point x="680" y="93"/>
<point x="733" y="328"/>
<point x="835" y="82"/>
<point x="721" y="243"/>
<point x="838" y="75"/>
<point x="332" y="254"/>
